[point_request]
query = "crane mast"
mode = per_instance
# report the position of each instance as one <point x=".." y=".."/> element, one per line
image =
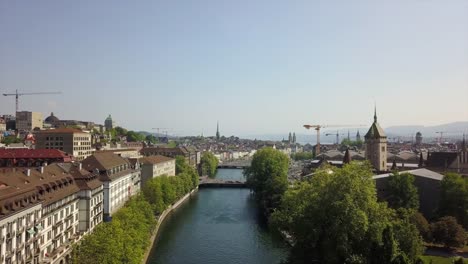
<point x="17" y="95"/>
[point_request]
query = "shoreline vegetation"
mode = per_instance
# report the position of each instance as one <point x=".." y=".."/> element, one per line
<point x="335" y="216"/>
<point x="160" y="221"/>
<point x="133" y="226"/>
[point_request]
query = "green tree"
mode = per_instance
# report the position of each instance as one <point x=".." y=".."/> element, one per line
<point x="422" y="225"/>
<point x="350" y="143"/>
<point x="402" y="192"/>
<point x="209" y="164"/>
<point x="268" y="178"/>
<point x="335" y="218"/>
<point x="133" y="136"/>
<point x="120" y="131"/>
<point x="302" y="156"/>
<point x="454" y="198"/>
<point x="151" y="138"/>
<point x="448" y="232"/>
<point x="10" y="139"/>
<point x="183" y="167"/>
<point x="407" y="234"/>
<point x="154" y="195"/>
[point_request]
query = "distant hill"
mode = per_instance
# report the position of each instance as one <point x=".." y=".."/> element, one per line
<point x="451" y="130"/>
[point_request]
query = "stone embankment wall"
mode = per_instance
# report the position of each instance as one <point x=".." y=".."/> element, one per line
<point x="161" y="219"/>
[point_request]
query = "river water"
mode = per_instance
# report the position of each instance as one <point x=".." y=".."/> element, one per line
<point x="217" y="226"/>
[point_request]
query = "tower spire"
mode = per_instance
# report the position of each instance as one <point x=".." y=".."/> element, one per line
<point x="375" y="112"/>
<point x="217" y="130"/>
<point x="463" y="143"/>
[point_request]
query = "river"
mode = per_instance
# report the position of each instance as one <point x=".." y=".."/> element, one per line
<point x="217" y="226"/>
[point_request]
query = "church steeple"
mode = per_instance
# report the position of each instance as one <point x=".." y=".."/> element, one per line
<point x="217" y="130"/>
<point x="375" y="113"/>
<point x="463" y="146"/>
<point x="376" y="145"/>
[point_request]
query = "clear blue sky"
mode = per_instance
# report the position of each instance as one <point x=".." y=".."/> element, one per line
<point x="256" y="66"/>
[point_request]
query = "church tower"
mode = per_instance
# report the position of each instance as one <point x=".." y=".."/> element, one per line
<point x="217" y="131"/>
<point x="376" y="146"/>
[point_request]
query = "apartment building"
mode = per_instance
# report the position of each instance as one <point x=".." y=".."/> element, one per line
<point x="72" y="141"/>
<point x="120" y="178"/>
<point x="38" y="215"/>
<point x="28" y="121"/>
<point x="91" y="197"/>
<point x="154" y="166"/>
<point x="192" y="156"/>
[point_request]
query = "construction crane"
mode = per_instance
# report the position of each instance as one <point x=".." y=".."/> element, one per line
<point x="337" y="136"/>
<point x="318" y="127"/>
<point x="441" y="135"/>
<point x="159" y="128"/>
<point x="17" y="95"/>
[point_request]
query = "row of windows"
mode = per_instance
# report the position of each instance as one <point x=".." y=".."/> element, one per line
<point x="54" y="144"/>
<point x="82" y="143"/>
<point x="54" y="138"/>
<point x="81" y="138"/>
<point x="60" y="148"/>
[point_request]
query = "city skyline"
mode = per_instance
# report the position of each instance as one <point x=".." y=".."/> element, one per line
<point x="261" y="67"/>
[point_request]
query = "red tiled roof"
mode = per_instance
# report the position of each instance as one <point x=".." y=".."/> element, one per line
<point x="32" y="154"/>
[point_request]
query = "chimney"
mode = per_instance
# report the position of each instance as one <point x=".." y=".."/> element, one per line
<point x="80" y="166"/>
<point x="42" y="169"/>
<point x="28" y="172"/>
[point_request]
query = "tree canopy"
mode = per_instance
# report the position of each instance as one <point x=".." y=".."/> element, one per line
<point x="10" y="139"/>
<point x="132" y="225"/>
<point x="352" y="143"/>
<point x="454" y="198"/>
<point x="402" y="192"/>
<point x="209" y="164"/>
<point x="448" y="232"/>
<point x="302" y="156"/>
<point x="335" y="218"/>
<point x="268" y="178"/>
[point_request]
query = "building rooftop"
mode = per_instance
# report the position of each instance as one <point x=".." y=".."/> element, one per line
<point x="375" y="131"/>
<point x="103" y="161"/>
<point x="155" y="159"/>
<point x="20" y="189"/>
<point x="60" y="130"/>
<point x="418" y="172"/>
<point x="32" y="154"/>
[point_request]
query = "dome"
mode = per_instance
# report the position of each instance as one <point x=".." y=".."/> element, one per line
<point x="418" y="134"/>
<point x="51" y="119"/>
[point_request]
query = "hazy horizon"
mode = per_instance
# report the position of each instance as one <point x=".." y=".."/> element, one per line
<point x="256" y="66"/>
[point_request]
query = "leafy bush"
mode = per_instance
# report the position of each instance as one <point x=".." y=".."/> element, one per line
<point x="448" y="232"/>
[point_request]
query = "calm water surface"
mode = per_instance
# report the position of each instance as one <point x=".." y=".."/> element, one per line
<point x="217" y="226"/>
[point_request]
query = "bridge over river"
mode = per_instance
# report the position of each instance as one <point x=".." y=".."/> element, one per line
<point x="207" y="182"/>
<point x="236" y="164"/>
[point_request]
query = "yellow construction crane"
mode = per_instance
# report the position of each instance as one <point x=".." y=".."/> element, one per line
<point x="318" y="127"/>
<point x="17" y="95"/>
